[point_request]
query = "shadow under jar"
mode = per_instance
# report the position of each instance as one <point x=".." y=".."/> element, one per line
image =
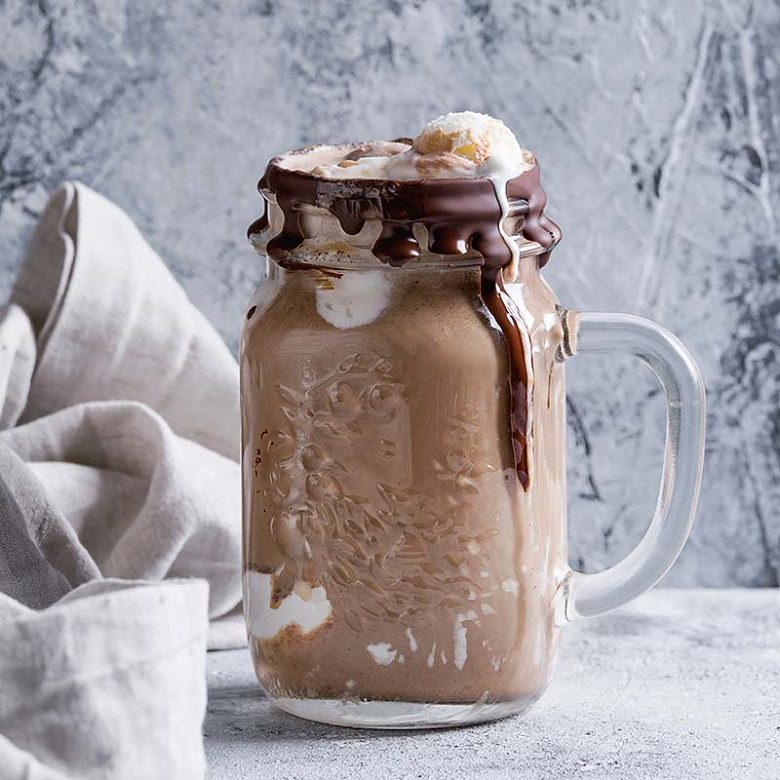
<point x="404" y="479"/>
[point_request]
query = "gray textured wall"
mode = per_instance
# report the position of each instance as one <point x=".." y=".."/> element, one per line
<point x="658" y="129"/>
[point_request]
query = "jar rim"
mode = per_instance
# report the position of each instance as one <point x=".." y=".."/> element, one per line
<point x="460" y="215"/>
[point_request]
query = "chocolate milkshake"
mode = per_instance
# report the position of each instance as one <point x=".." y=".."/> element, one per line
<point x="404" y="430"/>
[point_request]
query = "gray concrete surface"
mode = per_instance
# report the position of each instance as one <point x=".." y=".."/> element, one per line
<point x="682" y="684"/>
<point x="656" y="123"/>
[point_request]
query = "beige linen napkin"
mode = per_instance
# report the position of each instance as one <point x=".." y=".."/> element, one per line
<point x="118" y="469"/>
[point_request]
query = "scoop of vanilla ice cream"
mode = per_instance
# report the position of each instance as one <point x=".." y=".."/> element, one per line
<point x="481" y="139"/>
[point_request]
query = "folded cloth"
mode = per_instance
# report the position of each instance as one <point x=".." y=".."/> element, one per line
<point x="99" y="685"/>
<point x="118" y="470"/>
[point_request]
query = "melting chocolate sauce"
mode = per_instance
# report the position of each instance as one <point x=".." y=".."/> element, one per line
<point x="460" y="215"/>
<point x="503" y="311"/>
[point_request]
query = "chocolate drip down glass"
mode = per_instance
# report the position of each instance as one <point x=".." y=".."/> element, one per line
<point x="404" y="439"/>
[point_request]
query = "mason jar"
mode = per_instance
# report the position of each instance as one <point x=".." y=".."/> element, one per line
<point x="404" y="565"/>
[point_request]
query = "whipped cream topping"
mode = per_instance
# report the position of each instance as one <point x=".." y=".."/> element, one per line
<point x="456" y="145"/>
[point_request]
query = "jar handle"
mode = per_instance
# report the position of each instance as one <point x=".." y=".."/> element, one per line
<point x="587" y="595"/>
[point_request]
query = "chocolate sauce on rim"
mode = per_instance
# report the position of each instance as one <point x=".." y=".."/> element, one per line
<point x="460" y="215"/>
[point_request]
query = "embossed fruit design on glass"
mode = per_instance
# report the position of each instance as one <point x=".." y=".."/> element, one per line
<point x="403" y="429"/>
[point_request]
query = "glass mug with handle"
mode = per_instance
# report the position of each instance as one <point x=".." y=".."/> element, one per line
<point x="403" y="440"/>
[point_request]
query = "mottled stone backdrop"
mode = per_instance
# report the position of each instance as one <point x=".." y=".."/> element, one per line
<point x="657" y="125"/>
